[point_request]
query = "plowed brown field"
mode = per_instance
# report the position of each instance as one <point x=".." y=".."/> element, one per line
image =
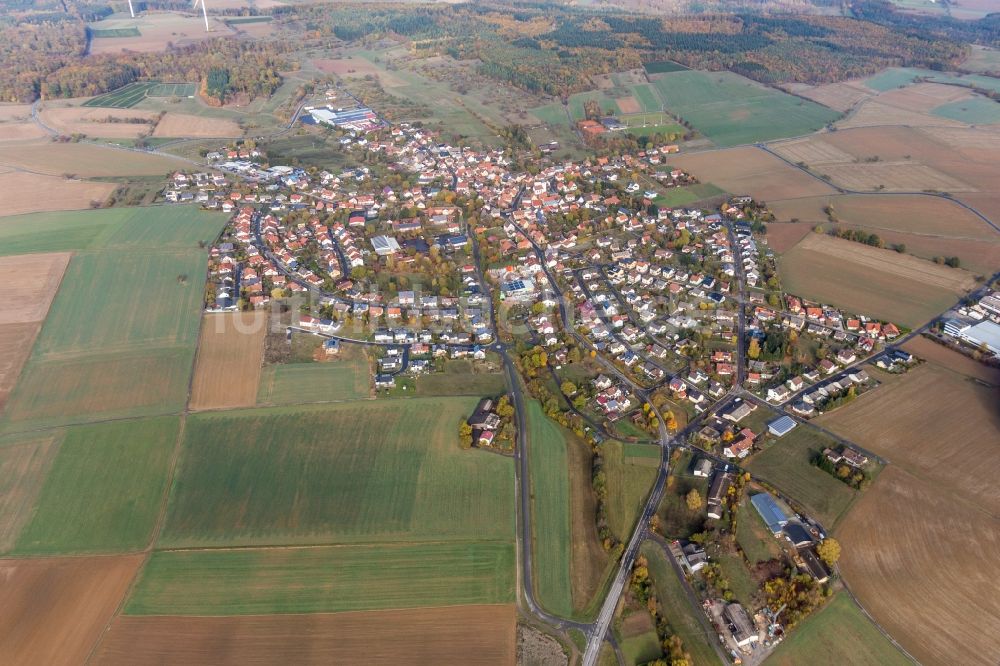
<point x="53" y="610"/>
<point x="751" y="171"/>
<point x="467" y="635"/>
<point x="230" y="349"/>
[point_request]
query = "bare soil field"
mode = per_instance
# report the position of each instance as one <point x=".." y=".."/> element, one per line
<point x="628" y="104"/>
<point x="940" y="355"/>
<point x="783" y="236"/>
<point x="16" y="341"/>
<point x="838" y="96"/>
<point x="30" y="283"/>
<point x="185" y="125"/>
<point x="924" y="97"/>
<point x="53" y="610"/>
<point x="937" y="424"/>
<point x="811" y="151"/>
<point x="58" y="159"/>
<point x="157" y="31"/>
<point x="892" y="176"/>
<point x="230" y="352"/>
<point x="96" y="121"/>
<point x="23" y="467"/>
<point x="919" y="560"/>
<point x="865" y="280"/>
<point x="32" y="193"/>
<point x="16" y="123"/>
<point x="872" y="113"/>
<point x="751" y="171"/>
<point x="457" y="634"/>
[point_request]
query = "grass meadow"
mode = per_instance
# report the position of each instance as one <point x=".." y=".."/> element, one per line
<point x="630" y="474"/>
<point x="344" y="473"/>
<point x="104" y="488"/>
<point x="296" y="383"/>
<point x="324" y="579"/>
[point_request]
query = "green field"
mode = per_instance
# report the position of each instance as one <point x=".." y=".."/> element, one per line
<point x="786" y="464"/>
<point x="104" y="489"/>
<point x="459" y="378"/>
<point x="555" y="113"/>
<point x="687" y="194"/>
<point x="664" y="66"/>
<point x="101" y="33"/>
<point x="838" y="633"/>
<point x="324" y="579"/>
<point x="236" y="20"/>
<point x="898" y="77"/>
<point x="124" y="98"/>
<point x="680" y="614"/>
<point x="152" y="228"/>
<point x="732" y="110"/>
<point x="25" y="460"/>
<point x="366" y="471"/>
<point x="630" y="473"/>
<point x="548" y="470"/>
<point x="646" y="96"/>
<point x="173" y="90"/>
<point x="975" y="111"/>
<point x="753" y="536"/>
<point x="642" y="648"/>
<point x="296" y="383"/>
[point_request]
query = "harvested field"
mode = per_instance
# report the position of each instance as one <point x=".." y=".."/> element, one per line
<point x="98" y="122"/>
<point x="838" y="96"/>
<point x="82" y="159"/>
<point x="891" y="177"/>
<point x="872" y="113"/>
<point x="782" y="236"/>
<point x="365" y="471"/>
<point x="751" y="171"/>
<point x="902" y="559"/>
<point x="30" y="283"/>
<point x="880" y="283"/>
<point x="811" y="151"/>
<point x="52" y="611"/>
<point x="185" y="125"/>
<point x="23" y="467"/>
<point x="346" y="66"/>
<point x="16" y="341"/>
<point x="459" y="634"/>
<point x="938" y="354"/>
<point x="228" y="366"/>
<point x="104" y="490"/>
<point x="31" y="192"/>
<point x="16" y="123"/>
<point x="252" y="581"/>
<point x="157" y="30"/>
<point x="931" y="423"/>
<point x="924" y="97"/>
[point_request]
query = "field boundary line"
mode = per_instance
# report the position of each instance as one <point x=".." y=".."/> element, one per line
<point x="344" y="612"/>
<point x="335" y="544"/>
<point x="874" y="622"/>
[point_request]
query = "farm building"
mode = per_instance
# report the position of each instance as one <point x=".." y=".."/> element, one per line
<point x="770" y="512"/>
<point x="812" y="565"/>
<point x="740" y="625"/>
<point x="797" y="535"/>
<point x="716" y="493"/>
<point x="781" y="426"/>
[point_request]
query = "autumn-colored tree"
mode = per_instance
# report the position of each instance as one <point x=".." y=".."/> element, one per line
<point x="829" y="550"/>
<point x="693" y="500"/>
<point x="753" y="351"/>
<point x="465" y="435"/>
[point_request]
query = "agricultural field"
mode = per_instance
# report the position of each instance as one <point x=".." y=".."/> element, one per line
<point x="787" y="464"/>
<point x="369" y="471"/>
<point x="630" y="474"/>
<point x="346" y="378"/>
<point x="187" y="125"/>
<point x="104" y="488"/>
<point x="983" y="60"/>
<point x="53" y="610"/>
<point x="24" y="463"/>
<point x="228" y="365"/>
<point x="26" y="192"/>
<point x="901" y="557"/>
<point x="462" y="383"/>
<point x="838" y="633"/>
<point x="642" y="648"/>
<point x="153" y="31"/>
<point x="82" y="160"/>
<point x="867" y="280"/>
<point x="924" y="97"/>
<point x="975" y="111"/>
<point x="837" y="96"/>
<point x="16" y="123"/>
<point x="751" y="171"/>
<point x="932" y="422"/>
<point x="680" y="614"/>
<point x="549" y="475"/>
<point x="479" y="635"/>
<point x="106" y="123"/>
<point x="31" y="283"/>
<point x="173" y="90"/>
<point x="937" y="354"/>
<point x="682" y="196"/>
<point x="731" y="110"/>
<point x="324" y="579"/>
<point x="123" y="98"/>
<point x="664" y="67"/>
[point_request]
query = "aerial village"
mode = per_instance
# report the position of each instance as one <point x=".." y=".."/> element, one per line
<point x="433" y="251"/>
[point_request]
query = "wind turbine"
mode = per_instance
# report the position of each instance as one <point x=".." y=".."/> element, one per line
<point x="130" y="10"/>
<point x="204" y="12"/>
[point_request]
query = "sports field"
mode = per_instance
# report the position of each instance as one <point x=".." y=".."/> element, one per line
<point x="173" y="90"/>
<point x="630" y="475"/>
<point x="679" y="612"/>
<point x="324" y="579"/>
<point x="345" y="473"/>
<point x="838" y="633"/>
<point x="297" y="383"/>
<point x="228" y="365"/>
<point x="731" y="110"/>
<point x="786" y="464"/>
<point x="104" y="489"/>
<point x="481" y="635"/>
<point x="123" y="98"/>
<point x="548" y="470"/>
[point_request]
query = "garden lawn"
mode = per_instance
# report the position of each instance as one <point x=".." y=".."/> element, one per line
<point x="357" y="472"/>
